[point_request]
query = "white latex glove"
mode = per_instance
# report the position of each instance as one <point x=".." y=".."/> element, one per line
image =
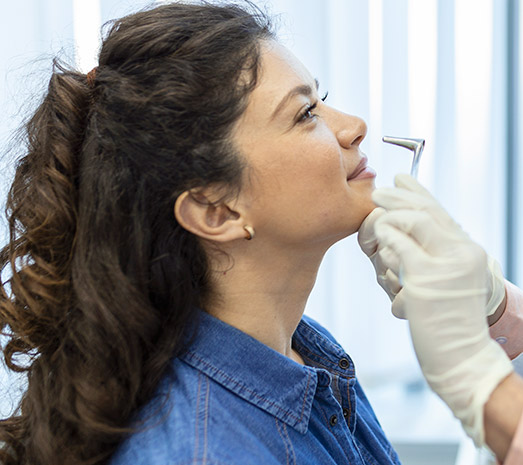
<point x="418" y="198"/>
<point x="368" y="242"/>
<point x="444" y="276"/>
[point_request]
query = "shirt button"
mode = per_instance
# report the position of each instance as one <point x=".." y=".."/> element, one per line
<point x="346" y="413"/>
<point x="343" y="363"/>
<point x="333" y="420"/>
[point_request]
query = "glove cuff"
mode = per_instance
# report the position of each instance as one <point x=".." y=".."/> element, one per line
<point x="495" y="286"/>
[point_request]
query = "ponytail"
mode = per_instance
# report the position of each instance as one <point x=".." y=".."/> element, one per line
<point x="42" y="216"/>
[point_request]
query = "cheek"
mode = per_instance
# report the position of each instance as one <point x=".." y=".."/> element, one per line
<point x="299" y="170"/>
<point x="320" y="166"/>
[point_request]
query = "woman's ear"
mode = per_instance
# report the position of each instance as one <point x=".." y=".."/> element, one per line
<point x="213" y="221"/>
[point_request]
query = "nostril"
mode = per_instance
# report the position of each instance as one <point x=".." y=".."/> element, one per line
<point x="357" y="141"/>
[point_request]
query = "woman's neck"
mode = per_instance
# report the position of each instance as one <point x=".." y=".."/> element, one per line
<point x="264" y="295"/>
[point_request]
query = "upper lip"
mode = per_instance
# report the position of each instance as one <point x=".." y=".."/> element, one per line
<point x="361" y="167"/>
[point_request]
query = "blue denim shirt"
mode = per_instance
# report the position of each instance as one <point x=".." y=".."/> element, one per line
<point x="231" y="400"/>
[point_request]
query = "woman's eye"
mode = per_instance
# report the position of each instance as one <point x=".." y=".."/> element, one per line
<point x="308" y="113"/>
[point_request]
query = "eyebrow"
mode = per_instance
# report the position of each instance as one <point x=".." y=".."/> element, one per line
<point x="298" y="90"/>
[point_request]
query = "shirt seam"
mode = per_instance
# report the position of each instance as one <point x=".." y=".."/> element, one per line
<point x="196" y="429"/>
<point x="286" y="433"/>
<point x="207" y="393"/>
<point x="283" y="440"/>
<point x="350" y="406"/>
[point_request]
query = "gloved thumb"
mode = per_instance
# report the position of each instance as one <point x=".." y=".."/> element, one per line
<point x="366" y="235"/>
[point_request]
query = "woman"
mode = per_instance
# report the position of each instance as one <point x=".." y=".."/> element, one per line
<point x="167" y="223"/>
<point x="446" y="293"/>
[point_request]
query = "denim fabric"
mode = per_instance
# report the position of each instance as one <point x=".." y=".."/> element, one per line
<point x="231" y="400"/>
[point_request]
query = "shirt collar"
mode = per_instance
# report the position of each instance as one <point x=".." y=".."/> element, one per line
<point x="254" y="371"/>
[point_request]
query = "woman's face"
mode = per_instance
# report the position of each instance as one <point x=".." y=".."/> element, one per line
<point x="307" y="178"/>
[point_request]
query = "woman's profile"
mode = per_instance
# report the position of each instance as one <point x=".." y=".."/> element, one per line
<point x="167" y="222"/>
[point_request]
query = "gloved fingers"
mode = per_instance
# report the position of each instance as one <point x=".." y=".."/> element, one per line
<point x="390" y="284"/>
<point x="406" y="248"/>
<point x="387" y="259"/>
<point x="386" y="278"/>
<point x="393" y="282"/>
<point x="366" y="237"/>
<point x="434" y="239"/>
<point x="398" y="306"/>
<point x="412" y="197"/>
<point x="396" y="198"/>
<point x="405" y="181"/>
<point x="420" y="228"/>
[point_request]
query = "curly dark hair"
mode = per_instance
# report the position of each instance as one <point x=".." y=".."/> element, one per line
<point x="102" y="280"/>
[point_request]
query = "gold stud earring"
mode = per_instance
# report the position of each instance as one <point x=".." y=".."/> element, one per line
<point x="250" y="232"/>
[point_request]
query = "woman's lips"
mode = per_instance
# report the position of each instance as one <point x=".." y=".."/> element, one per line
<point x="362" y="171"/>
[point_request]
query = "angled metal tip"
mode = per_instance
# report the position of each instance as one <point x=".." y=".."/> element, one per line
<point x="416" y="145"/>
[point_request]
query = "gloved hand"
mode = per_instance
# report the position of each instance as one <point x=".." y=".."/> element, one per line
<point x="419" y="198"/>
<point x="444" y="276"/>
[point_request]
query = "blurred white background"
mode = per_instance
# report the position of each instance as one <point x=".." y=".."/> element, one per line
<point x="443" y="70"/>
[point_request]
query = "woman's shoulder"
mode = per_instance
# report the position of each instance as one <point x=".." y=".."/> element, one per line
<point x="160" y="423"/>
<point x="168" y="430"/>
<point x="196" y="420"/>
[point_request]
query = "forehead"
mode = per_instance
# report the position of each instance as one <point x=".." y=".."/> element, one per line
<point x="280" y="67"/>
<point x="279" y="72"/>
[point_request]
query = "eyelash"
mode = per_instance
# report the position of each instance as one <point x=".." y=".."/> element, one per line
<point x="308" y="111"/>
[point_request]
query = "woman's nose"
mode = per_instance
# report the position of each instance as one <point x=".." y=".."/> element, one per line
<point x="352" y="131"/>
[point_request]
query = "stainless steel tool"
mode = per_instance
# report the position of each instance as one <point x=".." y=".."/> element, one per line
<point x="416" y="145"/>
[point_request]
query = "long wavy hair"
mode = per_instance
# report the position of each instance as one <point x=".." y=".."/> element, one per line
<point x="101" y="282"/>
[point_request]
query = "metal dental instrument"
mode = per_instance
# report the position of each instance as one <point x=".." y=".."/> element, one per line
<point x="416" y="145"/>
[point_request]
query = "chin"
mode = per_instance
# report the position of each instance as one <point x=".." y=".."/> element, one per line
<point x="365" y="209"/>
<point x="358" y="210"/>
<point x="356" y="221"/>
<point x="365" y="203"/>
<point x="368" y="207"/>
